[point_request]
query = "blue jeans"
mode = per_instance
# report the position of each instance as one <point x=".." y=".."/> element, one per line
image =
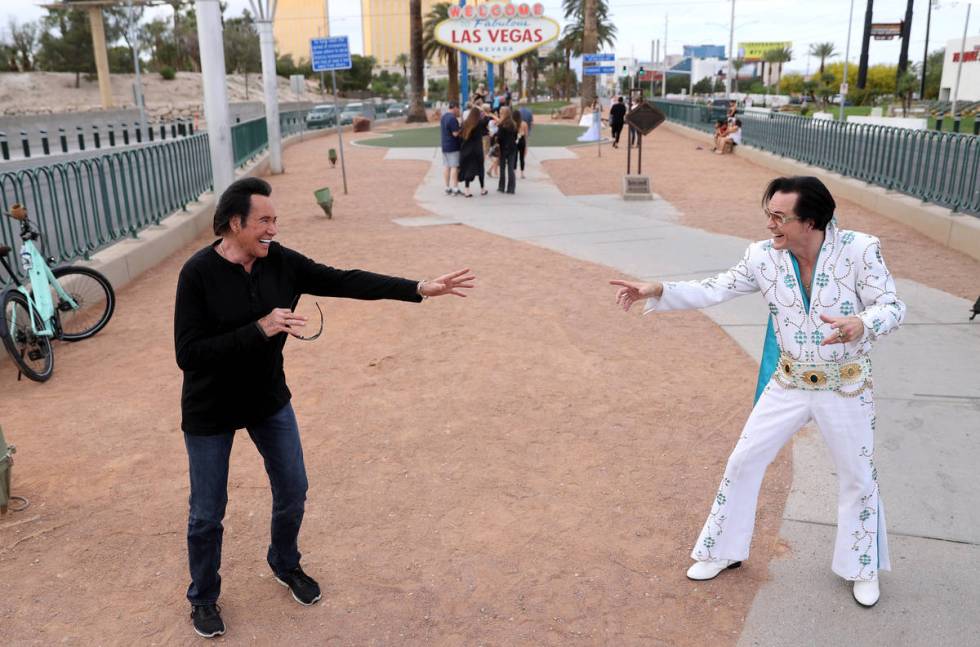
<point x="277" y="439"/>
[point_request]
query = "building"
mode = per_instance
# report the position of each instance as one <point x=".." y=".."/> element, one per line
<point x="970" y="78"/>
<point x="704" y="51"/>
<point x="296" y="22"/>
<point x="384" y="25"/>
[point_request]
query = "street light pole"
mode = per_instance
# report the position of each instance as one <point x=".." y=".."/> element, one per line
<point x="731" y="45"/>
<point x="847" y="54"/>
<point x="265" y="13"/>
<point x="959" y="70"/>
<point x="925" y="53"/>
<point x="133" y="35"/>
<point x="663" y="88"/>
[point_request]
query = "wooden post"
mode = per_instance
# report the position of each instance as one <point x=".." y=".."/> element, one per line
<point x="101" y="55"/>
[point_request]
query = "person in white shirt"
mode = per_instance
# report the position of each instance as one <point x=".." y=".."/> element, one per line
<point x="830" y="298"/>
<point x="732" y="138"/>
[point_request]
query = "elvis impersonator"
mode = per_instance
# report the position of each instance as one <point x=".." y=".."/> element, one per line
<point x="830" y="297"/>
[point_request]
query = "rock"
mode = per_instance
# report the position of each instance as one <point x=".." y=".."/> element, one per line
<point x="568" y="112"/>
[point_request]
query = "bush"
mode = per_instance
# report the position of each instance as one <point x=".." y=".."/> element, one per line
<point x="168" y="73"/>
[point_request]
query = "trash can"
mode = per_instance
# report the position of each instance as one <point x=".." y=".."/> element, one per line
<point x="325" y="199"/>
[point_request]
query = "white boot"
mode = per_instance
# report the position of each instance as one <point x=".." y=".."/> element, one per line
<point x="709" y="570"/>
<point x="867" y="592"/>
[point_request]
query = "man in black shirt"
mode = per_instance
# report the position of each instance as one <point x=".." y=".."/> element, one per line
<point x="617" y="117"/>
<point x="232" y="316"/>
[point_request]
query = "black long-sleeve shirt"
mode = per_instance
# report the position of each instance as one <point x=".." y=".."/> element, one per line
<point x="233" y="374"/>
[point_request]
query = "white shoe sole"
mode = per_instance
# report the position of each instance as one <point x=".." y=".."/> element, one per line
<point x="708" y="579"/>
<point x="204" y="635"/>
<point x="305" y="604"/>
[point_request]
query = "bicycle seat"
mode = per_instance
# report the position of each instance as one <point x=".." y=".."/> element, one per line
<point x="4" y="250"/>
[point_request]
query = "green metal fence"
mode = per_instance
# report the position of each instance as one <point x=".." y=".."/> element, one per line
<point x="84" y="205"/>
<point x="938" y="167"/>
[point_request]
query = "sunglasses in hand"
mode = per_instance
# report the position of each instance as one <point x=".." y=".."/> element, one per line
<point x="318" y="332"/>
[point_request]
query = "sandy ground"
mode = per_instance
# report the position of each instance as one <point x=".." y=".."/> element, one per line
<point x="722" y="193"/>
<point x="528" y="466"/>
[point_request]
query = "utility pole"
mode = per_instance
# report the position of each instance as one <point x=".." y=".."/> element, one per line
<point x="731" y="45"/>
<point x="663" y="87"/>
<point x="959" y="71"/>
<point x="210" y="38"/>
<point x="865" y="42"/>
<point x="925" y="52"/>
<point x="265" y="13"/>
<point x="847" y="55"/>
<point x="138" y="84"/>
<point x="903" y="56"/>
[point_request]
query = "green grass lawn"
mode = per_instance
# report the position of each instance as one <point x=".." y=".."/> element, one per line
<point x="541" y="135"/>
<point x="546" y="107"/>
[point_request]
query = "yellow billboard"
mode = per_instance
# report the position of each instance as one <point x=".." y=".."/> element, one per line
<point x="756" y="50"/>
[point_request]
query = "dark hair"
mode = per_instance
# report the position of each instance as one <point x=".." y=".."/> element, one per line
<point x="738" y="122"/>
<point x="453" y="104"/>
<point x="237" y="201"/>
<point x="721" y="122"/>
<point x="813" y="200"/>
<point x="620" y="99"/>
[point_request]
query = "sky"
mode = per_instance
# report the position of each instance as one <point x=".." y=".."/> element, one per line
<point x="695" y="22"/>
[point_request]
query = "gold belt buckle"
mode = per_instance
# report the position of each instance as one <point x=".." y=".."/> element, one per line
<point x="815" y="378"/>
<point x="850" y="372"/>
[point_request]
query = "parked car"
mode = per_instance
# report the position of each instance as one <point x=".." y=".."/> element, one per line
<point x="396" y="110"/>
<point x="322" y="116"/>
<point x="836" y="101"/>
<point x="357" y="109"/>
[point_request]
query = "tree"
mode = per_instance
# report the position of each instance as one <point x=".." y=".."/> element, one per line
<point x="577" y="39"/>
<point x="416" y="109"/>
<point x="589" y="44"/>
<point x="177" y="5"/>
<point x="241" y="41"/>
<point x="737" y="64"/>
<point x="66" y="44"/>
<point x="823" y="51"/>
<point x="778" y="57"/>
<point x="704" y="86"/>
<point x="907" y="83"/>
<point x="793" y="83"/>
<point x="934" y="73"/>
<point x="358" y="77"/>
<point x="403" y="60"/>
<point x="433" y="49"/>
<point x="23" y="44"/>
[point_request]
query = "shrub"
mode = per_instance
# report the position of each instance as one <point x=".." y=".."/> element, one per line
<point x="168" y="73"/>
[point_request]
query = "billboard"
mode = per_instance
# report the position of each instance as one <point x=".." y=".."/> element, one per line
<point x="497" y="32"/>
<point x="755" y="50"/>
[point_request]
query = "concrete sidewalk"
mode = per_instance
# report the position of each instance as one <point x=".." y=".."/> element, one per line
<point x="927" y="445"/>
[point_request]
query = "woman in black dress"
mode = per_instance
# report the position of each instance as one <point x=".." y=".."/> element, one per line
<point x="507" y="138"/>
<point x="471" y="150"/>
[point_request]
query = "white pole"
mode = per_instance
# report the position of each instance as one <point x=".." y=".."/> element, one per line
<point x="210" y="38"/>
<point x="267" y="46"/>
<point x="133" y="35"/>
<point x="847" y="54"/>
<point x="731" y="52"/>
<point x="959" y="68"/>
<point x="663" y="88"/>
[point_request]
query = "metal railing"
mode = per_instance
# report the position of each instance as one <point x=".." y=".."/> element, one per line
<point x="938" y="167"/>
<point x="81" y="206"/>
<point x="24" y="145"/>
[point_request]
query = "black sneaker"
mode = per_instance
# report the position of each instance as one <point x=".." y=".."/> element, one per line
<point x="207" y="620"/>
<point x="304" y="588"/>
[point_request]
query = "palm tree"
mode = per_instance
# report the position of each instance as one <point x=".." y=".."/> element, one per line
<point x="784" y="55"/>
<point x="823" y="51"/>
<point x="737" y="64"/>
<point x="433" y="49"/>
<point x="574" y="33"/>
<point x="403" y="60"/>
<point x="416" y="109"/>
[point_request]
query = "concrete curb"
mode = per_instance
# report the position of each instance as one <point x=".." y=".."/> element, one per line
<point x="954" y="230"/>
<point x="125" y="260"/>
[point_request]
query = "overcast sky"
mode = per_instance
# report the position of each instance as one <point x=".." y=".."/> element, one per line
<point x="693" y="22"/>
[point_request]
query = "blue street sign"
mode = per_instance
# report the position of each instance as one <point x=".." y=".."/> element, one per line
<point x="597" y="70"/>
<point x="596" y="58"/>
<point x="330" y="53"/>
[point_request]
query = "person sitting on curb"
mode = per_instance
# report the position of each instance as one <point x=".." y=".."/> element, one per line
<point x="721" y="129"/>
<point x="732" y="138"/>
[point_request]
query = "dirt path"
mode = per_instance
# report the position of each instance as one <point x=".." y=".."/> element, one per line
<point x="528" y="466"/>
<point x="721" y="193"/>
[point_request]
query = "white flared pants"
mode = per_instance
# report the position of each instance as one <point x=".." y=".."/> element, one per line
<point x="847" y="426"/>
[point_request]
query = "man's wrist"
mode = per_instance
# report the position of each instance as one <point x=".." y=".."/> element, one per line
<point x="418" y="289"/>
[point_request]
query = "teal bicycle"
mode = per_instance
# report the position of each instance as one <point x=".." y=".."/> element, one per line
<point x="66" y="303"/>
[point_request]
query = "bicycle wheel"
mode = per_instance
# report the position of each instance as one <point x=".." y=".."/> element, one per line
<point x="31" y="352"/>
<point x="95" y="298"/>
